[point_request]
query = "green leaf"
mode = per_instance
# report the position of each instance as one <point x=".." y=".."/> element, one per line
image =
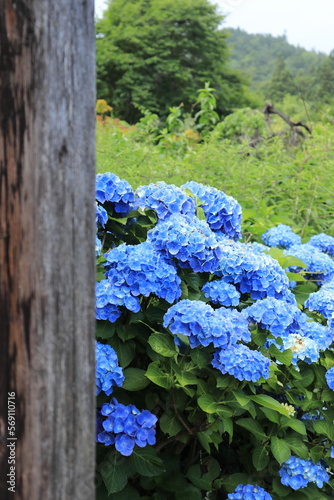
<point x="269" y="402"/>
<point x="280" y="449"/>
<point x="126" y="493"/>
<point x="135" y="379"/>
<point x="170" y="424"/>
<point x="125" y="350"/>
<point x="317" y="453"/>
<point x="278" y="254"/>
<point x="323" y="427"/>
<point x="241" y="398"/>
<point x="163" y="344"/>
<point x="207" y="403"/>
<point x="289" y="261"/>
<point x="114" y="475"/>
<point x="281" y="490"/>
<point x="232" y="481"/>
<point x="297" y="446"/>
<point x="158" y="377"/>
<point x="200" y="357"/>
<point x="228" y="427"/>
<point x="295" y="276"/>
<point x="271" y="415"/>
<point x="259" y="337"/>
<point x="284" y="357"/>
<point x="260" y="457"/>
<point x="146" y="462"/>
<point x="252" y="426"/>
<point x="205" y="441"/>
<point x="104" y="329"/>
<point x="293" y="423"/>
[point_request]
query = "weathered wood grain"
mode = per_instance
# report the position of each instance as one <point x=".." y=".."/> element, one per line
<point x="47" y="233"/>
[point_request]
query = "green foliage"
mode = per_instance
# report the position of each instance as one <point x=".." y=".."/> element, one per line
<point x="156" y="54"/>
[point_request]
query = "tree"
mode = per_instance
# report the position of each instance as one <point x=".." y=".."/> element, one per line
<point x="157" y="53"/>
<point x="325" y="79"/>
<point x="281" y="82"/>
<point x="47" y="233"/>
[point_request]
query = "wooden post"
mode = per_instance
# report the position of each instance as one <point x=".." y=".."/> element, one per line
<point x="47" y="243"/>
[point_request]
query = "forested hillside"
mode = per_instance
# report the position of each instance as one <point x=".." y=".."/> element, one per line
<point x="260" y="56"/>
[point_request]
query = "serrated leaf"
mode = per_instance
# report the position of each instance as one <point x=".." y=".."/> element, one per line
<point x="290" y="261"/>
<point x="323" y="427"/>
<point x="146" y="462"/>
<point x="284" y="357"/>
<point x="259" y="337"/>
<point x="170" y="424"/>
<point x="114" y="475"/>
<point x="317" y="453"/>
<point x="241" y="398"/>
<point x="163" y="344"/>
<point x="158" y="377"/>
<point x="207" y="403"/>
<point x="295" y="276"/>
<point x="280" y="449"/>
<point x="252" y="426"/>
<point x="232" y="481"/>
<point x="293" y="423"/>
<point x="277" y="254"/>
<point x="260" y="457"/>
<point x="271" y="415"/>
<point x="200" y="357"/>
<point x="104" y="329"/>
<point x="135" y="379"/>
<point x="297" y="446"/>
<point x="271" y="403"/>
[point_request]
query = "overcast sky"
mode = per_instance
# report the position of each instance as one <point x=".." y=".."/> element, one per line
<point x="308" y="23"/>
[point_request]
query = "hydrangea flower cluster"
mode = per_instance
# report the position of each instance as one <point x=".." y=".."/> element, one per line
<point x="241" y="362"/>
<point x="303" y="348"/>
<point x="125" y="426"/>
<point x="189" y="240"/>
<point x="203" y="325"/>
<point x="297" y="473"/>
<point x="322" y="335"/>
<point x="323" y="242"/>
<point x="101" y="215"/>
<point x="222" y="212"/>
<point x="252" y="272"/>
<point x="221" y="293"/>
<point x="330" y="378"/>
<point x="107" y="371"/>
<point x="165" y="199"/>
<point x="249" y="492"/>
<point x="135" y="270"/>
<point x="110" y="188"/>
<point x="105" y="309"/>
<point x="322" y="301"/>
<point x="281" y="236"/>
<point x="320" y="266"/>
<point x="280" y="318"/>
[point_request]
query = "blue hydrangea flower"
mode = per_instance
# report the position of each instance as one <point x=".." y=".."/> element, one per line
<point x="222" y="212"/>
<point x="135" y="270"/>
<point x="101" y="215"/>
<point x="297" y="473"/>
<point x="303" y="348"/>
<point x="323" y="242"/>
<point x="321" y="301"/>
<point x="98" y="246"/>
<point x="165" y="199"/>
<point x="322" y="335"/>
<point x="249" y="492"/>
<point x="203" y="325"/>
<point x="281" y="236"/>
<point x="104" y="308"/>
<point x="257" y="247"/>
<point x="187" y="239"/>
<point x="126" y="426"/>
<point x="330" y="378"/>
<point x="332" y="452"/>
<point x="221" y="293"/>
<point x="252" y="272"/>
<point x="320" y="267"/>
<point x="107" y="371"/>
<point x="242" y="363"/>
<point x="277" y="316"/>
<point x="110" y="188"/>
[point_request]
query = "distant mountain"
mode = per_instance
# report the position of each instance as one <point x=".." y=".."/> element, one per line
<point x="256" y="57"/>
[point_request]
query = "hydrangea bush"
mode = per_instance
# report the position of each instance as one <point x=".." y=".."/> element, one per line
<point x="214" y="359"/>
